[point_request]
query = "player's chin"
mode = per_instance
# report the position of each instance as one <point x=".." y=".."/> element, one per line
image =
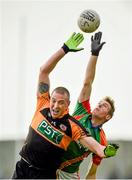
<point x="94" y="112"/>
<point x="54" y="115"/>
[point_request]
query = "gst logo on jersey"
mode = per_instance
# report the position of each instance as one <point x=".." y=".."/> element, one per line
<point x="48" y="131"/>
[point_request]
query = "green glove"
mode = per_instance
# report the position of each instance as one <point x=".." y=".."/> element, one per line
<point x="95" y="43"/>
<point x="73" y="42"/>
<point x="111" y="150"/>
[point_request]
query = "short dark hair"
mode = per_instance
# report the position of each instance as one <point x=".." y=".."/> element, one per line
<point x="62" y="90"/>
<point x="112" y="104"/>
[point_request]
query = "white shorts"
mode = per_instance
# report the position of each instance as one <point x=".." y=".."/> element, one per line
<point x="65" y="175"/>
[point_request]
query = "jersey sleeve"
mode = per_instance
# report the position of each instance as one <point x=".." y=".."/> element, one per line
<point x="78" y="131"/>
<point x="82" y="108"/>
<point x="95" y="158"/>
<point x="43" y="101"/>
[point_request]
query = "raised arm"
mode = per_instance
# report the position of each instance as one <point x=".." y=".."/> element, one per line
<point x="96" y="46"/>
<point x="70" y="45"/>
<point x="45" y="70"/>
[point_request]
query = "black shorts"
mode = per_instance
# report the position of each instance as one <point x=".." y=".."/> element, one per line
<point x="25" y="171"/>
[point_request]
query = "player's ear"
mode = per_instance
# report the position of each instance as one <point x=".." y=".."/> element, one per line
<point x="108" y="117"/>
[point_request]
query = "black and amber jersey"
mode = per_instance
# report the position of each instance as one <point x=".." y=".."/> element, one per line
<point x="48" y="138"/>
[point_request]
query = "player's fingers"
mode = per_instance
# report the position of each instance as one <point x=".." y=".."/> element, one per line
<point x="72" y="36"/>
<point x="92" y="38"/>
<point x="79" y="40"/>
<point x="78" y="36"/>
<point x="99" y="37"/>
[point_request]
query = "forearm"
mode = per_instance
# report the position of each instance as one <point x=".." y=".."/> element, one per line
<point x="93" y="146"/>
<point x="52" y="61"/>
<point x="90" y="70"/>
<point x="88" y="80"/>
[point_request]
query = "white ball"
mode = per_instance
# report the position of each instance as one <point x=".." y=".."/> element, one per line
<point x="89" y="21"/>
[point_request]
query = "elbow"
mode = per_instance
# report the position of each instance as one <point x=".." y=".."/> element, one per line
<point x="87" y="84"/>
<point x="43" y="74"/>
<point x="43" y="71"/>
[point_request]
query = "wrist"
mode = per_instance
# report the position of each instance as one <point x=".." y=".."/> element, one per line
<point x="65" y="48"/>
<point x="95" y="56"/>
<point x="94" y="53"/>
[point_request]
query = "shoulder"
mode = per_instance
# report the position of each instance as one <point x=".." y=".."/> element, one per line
<point x="77" y="127"/>
<point x="43" y="101"/>
<point x="82" y="108"/>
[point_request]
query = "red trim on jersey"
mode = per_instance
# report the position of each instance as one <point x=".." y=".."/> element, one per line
<point x="86" y="105"/>
<point x="78" y="117"/>
<point x="103" y="141"/>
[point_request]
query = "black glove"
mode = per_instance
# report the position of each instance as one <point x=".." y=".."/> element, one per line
<point x="95" y="43"/>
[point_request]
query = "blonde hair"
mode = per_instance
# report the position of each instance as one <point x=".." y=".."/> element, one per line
<point x="112" y="104"/>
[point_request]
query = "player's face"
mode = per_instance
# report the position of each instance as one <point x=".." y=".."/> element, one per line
<point x="58" y="104"/>
<point x="102" y="110"/>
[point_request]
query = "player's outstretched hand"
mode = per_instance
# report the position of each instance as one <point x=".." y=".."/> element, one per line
<point x="111" y="150"/>
<point x="96" y="44"/>
<point x="73" y="42"/>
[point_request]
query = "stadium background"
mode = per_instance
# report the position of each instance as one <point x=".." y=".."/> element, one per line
<point x="30" y="31"/>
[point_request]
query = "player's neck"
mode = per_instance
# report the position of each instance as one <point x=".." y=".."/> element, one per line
<point x="96" y="121"/>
